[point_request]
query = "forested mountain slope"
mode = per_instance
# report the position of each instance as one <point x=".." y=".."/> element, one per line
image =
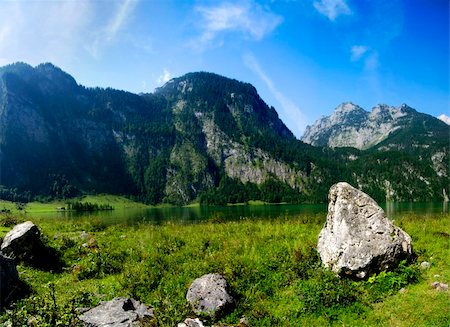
<point x="200" y="136"/>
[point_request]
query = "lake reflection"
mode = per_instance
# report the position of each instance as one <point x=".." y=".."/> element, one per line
<point x="225" y="213"/>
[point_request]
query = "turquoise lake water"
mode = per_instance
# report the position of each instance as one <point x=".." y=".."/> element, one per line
<point x="202" y="213"/>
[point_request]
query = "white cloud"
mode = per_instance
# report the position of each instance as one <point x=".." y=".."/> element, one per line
<point x="332" y="8"/>
<point x="59" y="31"/>
<point x="444" y="118"/>
<point x="297" y="121"/>
<point x="35" y="32"/>
<point x="247" y="18"/>
<point x="118" y="20"/>
<point x="358" y="51"/>
<point x="372" y="62"/>
<point x="116" y="23"/>
<point x="164" y="77"/>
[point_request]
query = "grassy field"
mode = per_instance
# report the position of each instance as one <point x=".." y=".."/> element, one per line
<point x="272" y="267"/>
<point x="116" y="201"/>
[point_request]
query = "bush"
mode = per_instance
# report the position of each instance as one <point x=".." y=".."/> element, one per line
<point x="390" y="282"/>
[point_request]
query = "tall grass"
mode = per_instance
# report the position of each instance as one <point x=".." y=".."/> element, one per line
<point x="272" y="267"/>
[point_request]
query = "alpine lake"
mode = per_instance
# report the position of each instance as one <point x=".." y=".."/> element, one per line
<point x="194" y="214"/>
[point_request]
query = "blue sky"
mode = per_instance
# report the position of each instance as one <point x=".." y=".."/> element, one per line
<point x="305" y="57"/>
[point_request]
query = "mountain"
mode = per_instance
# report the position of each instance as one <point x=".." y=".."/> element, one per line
<point x="394" y="127"/>
<point x="396" y="143"/>
<point x="199" y="137"/>
<point x="197" y="133"/>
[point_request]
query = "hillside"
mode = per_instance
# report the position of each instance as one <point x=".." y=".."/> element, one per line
<point x="200" y="136"/>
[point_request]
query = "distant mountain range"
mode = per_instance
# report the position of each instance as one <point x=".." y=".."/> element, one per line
<point x="202" y="137"/>
<point x="384" y="127"/>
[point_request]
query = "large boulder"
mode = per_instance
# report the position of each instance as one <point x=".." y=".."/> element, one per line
<point x="24" y="244"/>
<point x="209" y="295"/>
<point x="9" y="278"/>
<point x="119" y="312"/>
<point x="358" y="239"/>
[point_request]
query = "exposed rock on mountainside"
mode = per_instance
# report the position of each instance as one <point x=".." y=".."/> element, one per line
<point x="352" y="126"/>
<point x="358" y="239"/>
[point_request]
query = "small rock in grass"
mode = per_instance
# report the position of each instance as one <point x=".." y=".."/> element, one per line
<point x="243" y="322"/>
<point x="403" y="290"/>
<point x="425" y="265"/>
<point x="439" y="286"/>
<point x="84" y="235"/>
<point x="189" y="322"/>
<point x="209" y="295"/>
<point x="119" y="312"/>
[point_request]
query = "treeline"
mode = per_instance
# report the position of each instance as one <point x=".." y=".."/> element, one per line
<point x="234" y="191"/>
<point x="88" y="206"/>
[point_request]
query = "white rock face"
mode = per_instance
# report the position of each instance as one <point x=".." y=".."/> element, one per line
<point x="357" y="239"/>
<point x="247" y="165"/>
<point x="350" y="125"/>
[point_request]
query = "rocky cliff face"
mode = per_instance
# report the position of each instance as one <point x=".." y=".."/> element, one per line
<point x="352" y="126"/>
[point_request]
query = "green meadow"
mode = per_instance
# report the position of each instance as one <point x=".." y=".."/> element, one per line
<point x="272" y="267"/>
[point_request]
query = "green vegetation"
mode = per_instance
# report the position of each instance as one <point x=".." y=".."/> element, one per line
<point x="106" y="201"/>
<point x="87" y="206"/>
<point x="272" y="267"/>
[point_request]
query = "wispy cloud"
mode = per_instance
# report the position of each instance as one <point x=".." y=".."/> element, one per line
<point x="246" y="18"/>
<point x="297" y="121"/>
<point x="164" y="77"/>
<point x="123" y="12"/>
<point x="59" y="31"/>
<point x="332" y="8"/>
<point x="35" y="32"/>
<point x="109" y="33"/>
<point x="358" y="51"/>
<point x="372" y="62"/>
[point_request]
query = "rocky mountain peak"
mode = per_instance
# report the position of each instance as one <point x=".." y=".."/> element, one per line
<point x="347" y="107"/>
<point x="351" y="126"/>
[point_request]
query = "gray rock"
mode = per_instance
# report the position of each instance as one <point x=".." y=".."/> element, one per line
<point x="119" y="312"/>
<point x="439" y="286"/>
<point x="189" y="322"/>
<point x="358" y="239"/>
<point x="8" y="278"/>
<point x="244" y="322"/>
<point x="209" y="295"/>
<point x="425" y="265"/>
<point x="23" y="242"/>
